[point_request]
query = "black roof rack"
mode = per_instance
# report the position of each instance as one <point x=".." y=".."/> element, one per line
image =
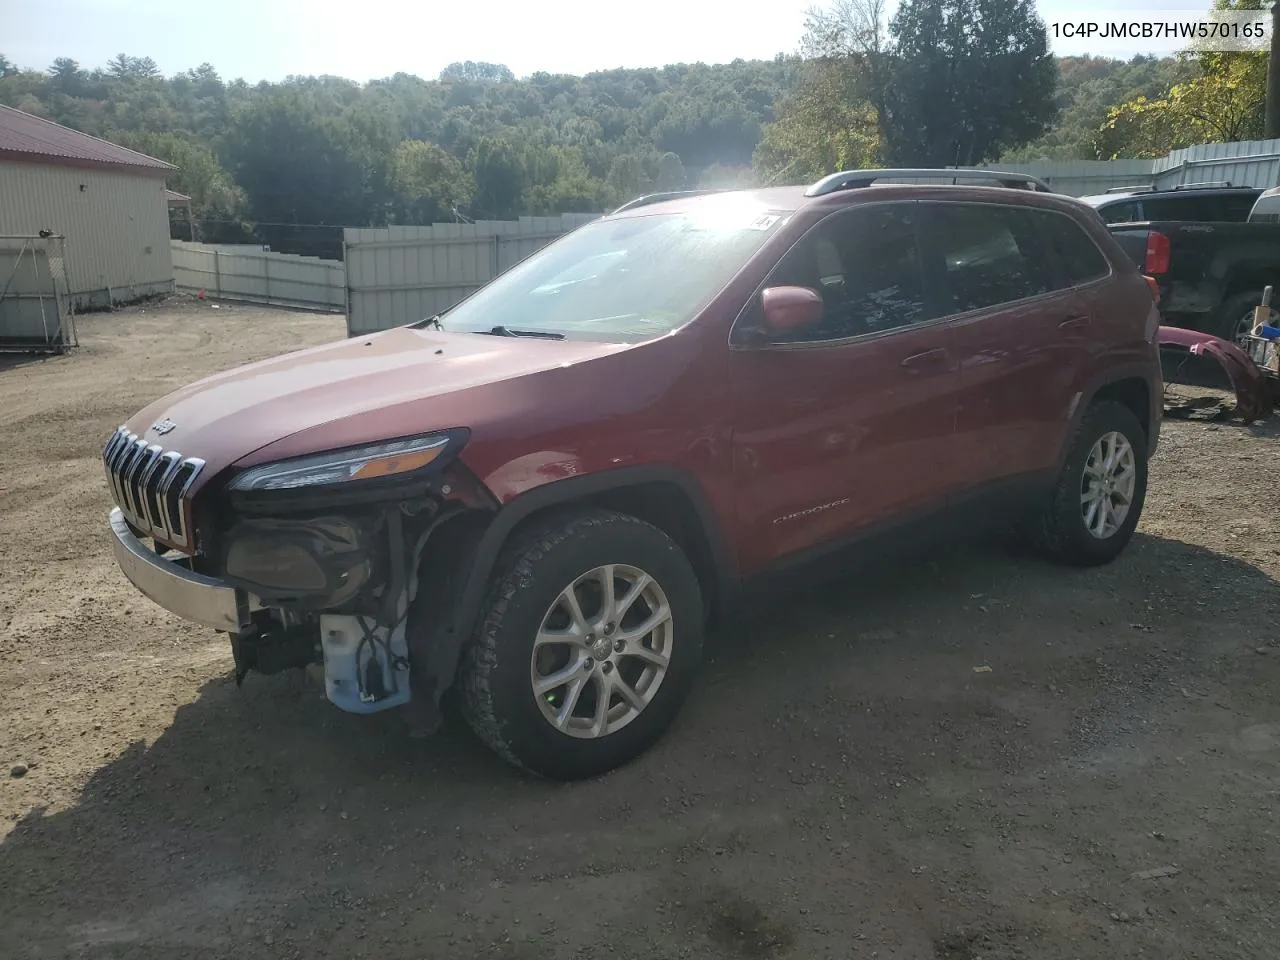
<point x="1204" y="185"/>
<point x="1136" y="188"/>
<point x="661" y="197"/>
<point x="853" y="179"/>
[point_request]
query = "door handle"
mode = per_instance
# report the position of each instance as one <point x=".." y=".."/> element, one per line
<point x="1074" y="323"/>
<point x="928" y="358"/>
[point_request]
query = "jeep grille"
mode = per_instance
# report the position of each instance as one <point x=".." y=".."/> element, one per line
<point x="149" y="484"/>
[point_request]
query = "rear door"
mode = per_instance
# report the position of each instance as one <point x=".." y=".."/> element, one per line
<point x="849" y="425"/>
<point x="1019" y="329"/>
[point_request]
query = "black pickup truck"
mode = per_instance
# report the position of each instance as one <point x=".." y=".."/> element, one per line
<point x="1211" y="249"/>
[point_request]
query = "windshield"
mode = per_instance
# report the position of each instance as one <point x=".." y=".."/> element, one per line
<point x="622" y="280"/>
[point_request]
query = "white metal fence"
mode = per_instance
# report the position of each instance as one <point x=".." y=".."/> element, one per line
<point x="252" y="274"/>
<point x="36" y="309"/>
<point x="396" y="275"/>
<point x="1249" y="163"/>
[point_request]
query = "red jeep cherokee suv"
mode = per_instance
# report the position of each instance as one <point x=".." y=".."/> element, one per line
<point x="542" y="495"/>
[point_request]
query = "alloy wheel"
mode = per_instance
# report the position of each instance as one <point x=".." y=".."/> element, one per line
<point x="1107" y="487"/>
<point x="602" y="651"/>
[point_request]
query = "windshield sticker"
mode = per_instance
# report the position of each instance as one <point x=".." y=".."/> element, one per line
<point x="764" y="222"/>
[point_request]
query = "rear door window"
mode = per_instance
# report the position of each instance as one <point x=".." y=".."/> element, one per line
<point x="989" y="255"/>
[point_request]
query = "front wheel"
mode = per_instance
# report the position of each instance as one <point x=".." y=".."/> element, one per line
<point x="1099" y="495"/>
<point x="591" y="637"/>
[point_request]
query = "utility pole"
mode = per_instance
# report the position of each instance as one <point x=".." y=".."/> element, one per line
<point x="1271" y="125"/>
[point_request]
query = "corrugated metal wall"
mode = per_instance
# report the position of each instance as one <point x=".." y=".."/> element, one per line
<point x="1249" y="163"/>
<point x="116" y="226"/>
<point x="227" y="272"/>
<point x="397" y="275"/>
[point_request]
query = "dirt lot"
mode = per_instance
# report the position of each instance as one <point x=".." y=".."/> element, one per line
<point x="844" y="783"/>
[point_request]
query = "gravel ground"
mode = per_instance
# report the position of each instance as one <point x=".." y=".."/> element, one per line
<point x="976" y="757"/>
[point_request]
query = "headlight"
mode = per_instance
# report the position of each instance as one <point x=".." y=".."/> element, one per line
<point x="341" y="466"/>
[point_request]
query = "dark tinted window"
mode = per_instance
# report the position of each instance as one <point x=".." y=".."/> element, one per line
<point x="1173" y="208"/>
<point x="1238" y="206"/>
<point x="1203" y="207"/>
<point x="1125" y="212"/>
<point x="866" y="266"/>
<point x="991" y="254"/>
<point x="1069" y="246"/>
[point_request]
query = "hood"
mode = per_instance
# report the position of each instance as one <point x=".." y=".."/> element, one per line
<point x="224" y="418"/>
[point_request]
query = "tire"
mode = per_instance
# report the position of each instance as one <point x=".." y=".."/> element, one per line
<point x="1062" y="532"/>
<point x="525" y="601"/>
<point x="1235" y="317"/>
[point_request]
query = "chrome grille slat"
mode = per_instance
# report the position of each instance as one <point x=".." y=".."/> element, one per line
<point x="131" y="473"/>
<point x="144" y="487"/>
<point x="150" y="485"/>
<point x="123" y="468"/>
<point x="156" y="502"/>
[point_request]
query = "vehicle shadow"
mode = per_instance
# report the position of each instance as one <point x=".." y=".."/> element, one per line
<point x="257" y="802"/>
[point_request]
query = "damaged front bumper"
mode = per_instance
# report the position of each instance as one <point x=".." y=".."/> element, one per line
<point x="175" y="586"/>
<point x="365" y="665"/>
<point x="1252" y="390"/>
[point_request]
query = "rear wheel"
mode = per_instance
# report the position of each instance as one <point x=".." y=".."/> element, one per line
<point x="591" y="638"/>
<point x="1098" y="499"/>
<point x="1235" y="316"/>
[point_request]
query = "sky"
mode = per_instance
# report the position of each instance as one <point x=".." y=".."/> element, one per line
<point x="367" y="39"/>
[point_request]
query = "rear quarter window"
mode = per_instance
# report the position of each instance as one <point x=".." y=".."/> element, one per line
<point x="1070" y="246"/>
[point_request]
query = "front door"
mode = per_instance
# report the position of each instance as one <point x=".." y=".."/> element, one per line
<point x="846" y="426"/>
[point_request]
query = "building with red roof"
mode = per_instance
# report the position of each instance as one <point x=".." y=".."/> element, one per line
<point x="108" y="203"/>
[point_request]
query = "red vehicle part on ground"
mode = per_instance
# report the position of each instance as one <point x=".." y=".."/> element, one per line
<point x="1253" y="393"/>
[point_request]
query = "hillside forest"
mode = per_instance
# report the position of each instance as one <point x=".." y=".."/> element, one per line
<point x="941" y="82"/>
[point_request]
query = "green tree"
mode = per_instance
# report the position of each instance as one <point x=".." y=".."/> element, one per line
<point x="428" y="182"/>
<point x="627" y="178"/>
<point x="824" y="126"/>
<point x="303" y="166"/>
<point x="66" y="77"/>
<point x="218" y="203"/>
<point x="969" y="79"/>
<point x="500" y="178"/>
<point x="1088" y="89"/>
<point x="951" y="81"/>
<point x="559" y="181"/>
<point x="477" y="72"/>
<point x="671" y="172"/>
<point x="1221" y="99"/>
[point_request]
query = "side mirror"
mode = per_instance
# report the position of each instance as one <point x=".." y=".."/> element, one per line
<point x="787" y="309"/>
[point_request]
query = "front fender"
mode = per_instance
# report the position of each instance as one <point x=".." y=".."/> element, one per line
<point x="441" y="623"/>
<point x="1253" y="398"/>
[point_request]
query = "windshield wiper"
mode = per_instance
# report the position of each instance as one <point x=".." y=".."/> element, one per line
<point x="501" y="331"/>
<point x="428" y="322"/>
